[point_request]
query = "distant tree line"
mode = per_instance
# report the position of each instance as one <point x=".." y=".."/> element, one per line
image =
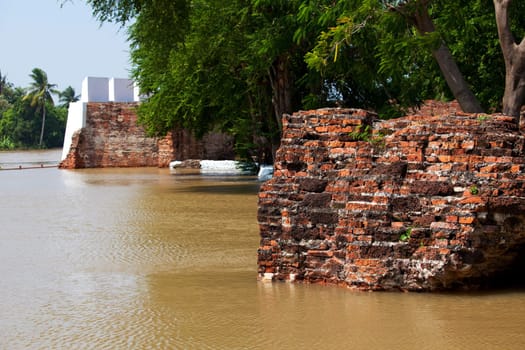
<point x="29" y="117"/>
<point x="238" y="65"/>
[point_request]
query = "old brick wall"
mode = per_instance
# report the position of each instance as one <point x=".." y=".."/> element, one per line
<point x="432" y="107"/>
<point x="112" y="138"/>
<point x="420" y="203"/>
<point x="215" y="145"/>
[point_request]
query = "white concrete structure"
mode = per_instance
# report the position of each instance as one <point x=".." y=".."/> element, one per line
<point x="265" y="172"/>
<point x="217" y="167"/>
<point x="121" y="90"/>
<point x="76" y="119"/>
<point x="96" y="89"/>
<point x="136" y="93"/>
<point x="226" y="167"/>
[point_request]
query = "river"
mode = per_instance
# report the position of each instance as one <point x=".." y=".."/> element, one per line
<point x="145" y="259"/>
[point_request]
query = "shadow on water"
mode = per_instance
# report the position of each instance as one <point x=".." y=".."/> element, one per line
<point x="219" y="184"/>
<point x="509" y="280"/>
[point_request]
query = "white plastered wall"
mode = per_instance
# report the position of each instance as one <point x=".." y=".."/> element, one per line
<point x="95" y="90"/>
<point x="76" y="119"/>
<point x="121" y="90"/>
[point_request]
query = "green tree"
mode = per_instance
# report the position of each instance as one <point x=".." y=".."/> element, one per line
<point x="207" y="64"/>
<point x="417" y="13"/>
<point x="5" y="104"/>
<point x="406" y="32"/>
<point x="55" y="127"/>
<point x="18" y="124"/>
<point x="239" y="65"/>
<point x="67" y="96"/>
<point x="39" y="94"/>
<point x="401" y="30"/>
<point x="4" y="85"/>
<point x="3" y="82"/>
<point x="20" y="129"/>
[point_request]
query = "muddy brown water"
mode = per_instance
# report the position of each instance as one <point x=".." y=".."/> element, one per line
<point x="145" y="259"/>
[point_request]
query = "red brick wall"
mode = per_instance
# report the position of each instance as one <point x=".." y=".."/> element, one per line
<point x="433" y="108"/>
<point x="423" y="203"/>
<point x="112" y="138"/>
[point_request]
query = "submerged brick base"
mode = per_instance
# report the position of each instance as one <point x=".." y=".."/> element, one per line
<point x="422" y="203"/>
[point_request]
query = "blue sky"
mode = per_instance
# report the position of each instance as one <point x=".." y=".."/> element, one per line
<point x="67" y="43"/>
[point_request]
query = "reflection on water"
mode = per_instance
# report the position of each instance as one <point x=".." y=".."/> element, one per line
<point x="143" y="259"/>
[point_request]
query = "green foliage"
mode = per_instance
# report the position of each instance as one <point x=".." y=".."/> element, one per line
<point x="238" y="65"/>
<point x="483" y="117"/>
<point x="366" y="134"/>
<point x="120" y="11"/>
<point x="469" y="29"/>
<point x="40" y="90"/>
<point x="360" y="133"/>
<point x="21" y="119"/>
<point x="405" y="236"/>
<point x="186" y="66"/>
<point x="379" y="35"/>
<point x="40" y="94"/>
<point x="361" y="53"/>
<point x="20" y="125"/>
<point x="6" y="143"/>
<point x="68" y="96"/>
<point x="3" y="83"/>
<point x="210" y="65"/>
<point x="474" y="190"/>
<point x="471" y="34"/>
<point x="374" y="52"/>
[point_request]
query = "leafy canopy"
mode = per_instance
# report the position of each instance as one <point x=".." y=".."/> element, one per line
<point x="238" y="65"/>
<point x="21" y="114"/>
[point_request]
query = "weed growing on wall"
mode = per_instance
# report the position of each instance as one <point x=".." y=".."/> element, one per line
<point x="405" y="236"/>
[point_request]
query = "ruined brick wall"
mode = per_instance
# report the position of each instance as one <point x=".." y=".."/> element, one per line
<point x="433" y="107"/>
<point x="112" y="138"/>
<point x="421" y="203"/>
<point x="215" y="145"/>
<point x="166" y="150"/>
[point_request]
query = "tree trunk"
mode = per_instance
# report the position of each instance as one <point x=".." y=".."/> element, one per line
<point x="280" y="80"/>
<point x="514" y="94"/>
<point x="43" y="124"/>
<point x="281" y="88"/>
<point x="450" y="70"/>
<point x="514" y="55"/>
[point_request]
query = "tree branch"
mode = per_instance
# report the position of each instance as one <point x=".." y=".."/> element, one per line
<point x="506" y="38"/>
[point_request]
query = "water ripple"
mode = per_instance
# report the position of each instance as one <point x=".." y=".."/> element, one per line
<point x="141" y="259"/>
